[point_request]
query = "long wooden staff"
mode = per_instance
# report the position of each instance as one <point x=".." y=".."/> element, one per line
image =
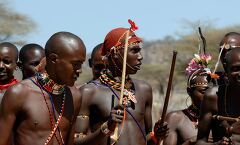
<point x="222" y="118"/>
<point x="165" y="106"/>
<point x="115" y="135"/>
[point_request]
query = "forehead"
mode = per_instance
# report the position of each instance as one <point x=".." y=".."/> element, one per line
<point x="7" y="52"/>
<point x="34" y="54"/>
<point x="74" y="52"/>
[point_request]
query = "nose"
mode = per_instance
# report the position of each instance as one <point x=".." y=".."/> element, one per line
<point x="140" y="57"/>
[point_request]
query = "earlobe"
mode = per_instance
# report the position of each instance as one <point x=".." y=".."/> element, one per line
<point x="53" y="57"/>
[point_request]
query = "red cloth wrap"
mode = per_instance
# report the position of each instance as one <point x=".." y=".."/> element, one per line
<point x="116" y="37"/>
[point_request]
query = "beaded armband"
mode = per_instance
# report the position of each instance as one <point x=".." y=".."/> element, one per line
<point x="83" y="117"/>
<point x="105" y="130"/>
<point x="79" y="135"/>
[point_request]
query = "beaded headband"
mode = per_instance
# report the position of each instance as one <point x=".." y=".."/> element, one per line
<point x="226" y="47"/>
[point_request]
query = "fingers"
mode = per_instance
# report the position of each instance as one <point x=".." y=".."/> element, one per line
<point x="161" y="130"/>
<point x="226" y="141"/>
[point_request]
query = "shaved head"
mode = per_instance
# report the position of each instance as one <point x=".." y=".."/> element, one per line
<point x="28" y="47"/>
<point x="65" y="54"/>
<point x="58" y="43"/>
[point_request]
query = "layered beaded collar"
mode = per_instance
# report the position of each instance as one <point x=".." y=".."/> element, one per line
<point x="192" y="112"/>
<point x="49" y="84"/>
<point x="128" y="94"/>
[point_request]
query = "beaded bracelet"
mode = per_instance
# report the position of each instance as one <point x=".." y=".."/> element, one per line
<point x="105" y="130"/>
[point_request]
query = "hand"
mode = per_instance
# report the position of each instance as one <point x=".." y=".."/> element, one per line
<point x="225" y="141"/>
<point x="161" y="130"/>
<point x="115" y="117"/>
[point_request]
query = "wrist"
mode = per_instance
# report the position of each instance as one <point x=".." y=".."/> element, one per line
<point x="105" y="130"/>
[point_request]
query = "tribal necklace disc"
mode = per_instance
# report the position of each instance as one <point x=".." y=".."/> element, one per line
<point x="129" y="98"/>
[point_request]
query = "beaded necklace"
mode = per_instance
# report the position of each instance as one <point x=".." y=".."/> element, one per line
<point x="49" y="85"/>
<point x="129" y="98"/>
<point x="54" y="126"/>
<point x="193" y="114"/>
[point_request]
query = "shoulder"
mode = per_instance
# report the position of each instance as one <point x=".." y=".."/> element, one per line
<point x="143" y="85"/>
<point x="175" y="114"/>
<point x="174" y="118"/>
<point x="16" y="95"/>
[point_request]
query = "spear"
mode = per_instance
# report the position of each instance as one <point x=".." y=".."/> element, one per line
<point x="115" y="135"/>
<point x="165" y="106"/>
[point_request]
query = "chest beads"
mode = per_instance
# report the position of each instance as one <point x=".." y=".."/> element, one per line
<point x="50" y="87"/>
<point x="129" y="98"/>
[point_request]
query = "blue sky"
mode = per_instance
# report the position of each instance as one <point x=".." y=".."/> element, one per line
<point x="93" y="19"/>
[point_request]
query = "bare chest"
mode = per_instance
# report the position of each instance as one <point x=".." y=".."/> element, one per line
<point x="39" y="114"/>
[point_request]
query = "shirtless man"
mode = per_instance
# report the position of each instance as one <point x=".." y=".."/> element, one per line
<point x="43" y="109"/>
<point x="183" y="124"/>
<point x="223" y="99"/>
<point x="99" y="114"/>
<point x="8" y="63"/>
<point x="30" y="56"/>
<point x="96" y="62"/>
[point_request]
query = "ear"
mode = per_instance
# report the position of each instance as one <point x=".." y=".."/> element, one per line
<point x="19" y="64"/>
<point x="53" y="57"/>
<point x="90" y="62"/>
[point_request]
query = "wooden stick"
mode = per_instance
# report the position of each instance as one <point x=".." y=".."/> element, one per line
<point x="124" y="67"/>
<point x="222" y="118"/>
<point x="115" y="135"/>
<point x="165" y="106"/>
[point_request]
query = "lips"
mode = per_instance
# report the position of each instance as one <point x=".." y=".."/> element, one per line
<point x="3" y="74"/>
<point x="138" y="66"/>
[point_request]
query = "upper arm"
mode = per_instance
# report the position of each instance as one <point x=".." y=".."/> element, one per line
<point x="82" y="122"/>
<point x="148" y="108"/>
<point x="208" y="108"/>
<point x="10" y="106"/>
<point x="173" y="120"/>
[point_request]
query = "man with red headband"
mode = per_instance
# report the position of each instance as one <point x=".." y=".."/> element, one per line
<point x="100" y="112"/>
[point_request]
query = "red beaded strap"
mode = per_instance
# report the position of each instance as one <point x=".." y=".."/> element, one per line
<point x="56" y="124"/>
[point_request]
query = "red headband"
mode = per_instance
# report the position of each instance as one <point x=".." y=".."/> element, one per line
<point x="116" y="37"/>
